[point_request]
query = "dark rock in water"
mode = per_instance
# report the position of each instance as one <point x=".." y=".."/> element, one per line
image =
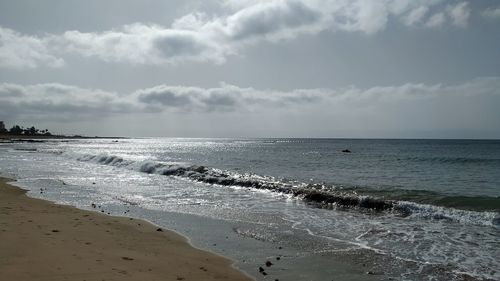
<point x="346" y="151"/>
<point x="93" y="205"/>
<point x="159" y="229"/>
<point x="278" y="258"/>
<point x="93" y="183"/>
<point x="268" y="263"/>
<point x="261" y="269"/>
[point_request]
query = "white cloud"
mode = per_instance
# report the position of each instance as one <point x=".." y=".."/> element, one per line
<point x="459" y="14"/>
<point x="19" y="51"/>
<point x="436" y="20"/>
<point x="416" y="16"/>
<point x="143" y="44"/>
<point x="198" y="37"/>
<point x="492" y="13"/>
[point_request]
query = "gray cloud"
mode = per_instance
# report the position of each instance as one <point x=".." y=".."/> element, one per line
<point x="465" y="103"/>
<point x="56" y="101"/>
<point x="198" y="37"/>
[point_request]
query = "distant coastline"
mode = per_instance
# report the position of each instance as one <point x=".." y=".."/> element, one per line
<point x="41" y="138"/>
<point x="20" y="134"/>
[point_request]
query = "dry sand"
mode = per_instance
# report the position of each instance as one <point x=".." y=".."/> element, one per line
<point x="40" y="240"/>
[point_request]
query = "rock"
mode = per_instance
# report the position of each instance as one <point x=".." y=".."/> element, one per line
<point x="346" y="151"/>
<point x="159" y="229"/>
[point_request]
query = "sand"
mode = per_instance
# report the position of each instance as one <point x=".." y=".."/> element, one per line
<point x="40" y="240"/>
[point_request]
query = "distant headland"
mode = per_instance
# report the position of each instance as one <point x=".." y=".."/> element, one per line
<point x="17" y="132"/>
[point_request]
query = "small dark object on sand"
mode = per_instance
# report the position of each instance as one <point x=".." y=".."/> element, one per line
<point x="159" y="229"/>
<point x="268" y="263"/>
<point x="346" y="151"/>
<point x="55" y="230"/>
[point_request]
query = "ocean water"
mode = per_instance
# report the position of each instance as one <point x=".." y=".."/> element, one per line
<point x="425" y="209"/>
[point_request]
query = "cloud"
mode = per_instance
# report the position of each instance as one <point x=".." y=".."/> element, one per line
<point x="57" y="101"/>
<point x="142" y="44"/>
<point x="415" y="16"/>
<point x="491" y="13"/>
<point x="226" y="98"/>
<point x="436" y="20"/>
<point x="202" y="38"/>
<point x="471" y="106"/>
<point x="459" y="14"/>
<point x="20" y="51"/>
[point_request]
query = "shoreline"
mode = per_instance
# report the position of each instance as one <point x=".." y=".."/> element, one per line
<point x="41" y="240"/>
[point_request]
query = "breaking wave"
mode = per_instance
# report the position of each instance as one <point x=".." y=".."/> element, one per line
<point x="321" y="195"/>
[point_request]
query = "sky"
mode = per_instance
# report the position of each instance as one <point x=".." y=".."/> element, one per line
<point x="260" y="68"/>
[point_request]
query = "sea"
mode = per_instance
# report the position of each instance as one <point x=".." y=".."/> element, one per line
<point x="360" y="209"/>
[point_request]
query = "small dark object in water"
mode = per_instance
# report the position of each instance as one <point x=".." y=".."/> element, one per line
<point x="346" y="151"/>
<point x="261" y="269"/>
<point x="93" y="205"/>
<point x="93" y="183"/>
<point x="278" y="258"/>
<point x="159" y="229"/>
<point x="268" y="263"/>
<point x="264" y="273"/>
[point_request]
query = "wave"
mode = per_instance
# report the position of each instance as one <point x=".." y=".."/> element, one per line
<point x="455" y="160"/>
<point x="320" y="195"/>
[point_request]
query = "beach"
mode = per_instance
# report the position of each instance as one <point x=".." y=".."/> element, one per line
<point x="40" y="240"/>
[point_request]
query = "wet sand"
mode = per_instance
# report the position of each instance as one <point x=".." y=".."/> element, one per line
<point x="40" y="240"/>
